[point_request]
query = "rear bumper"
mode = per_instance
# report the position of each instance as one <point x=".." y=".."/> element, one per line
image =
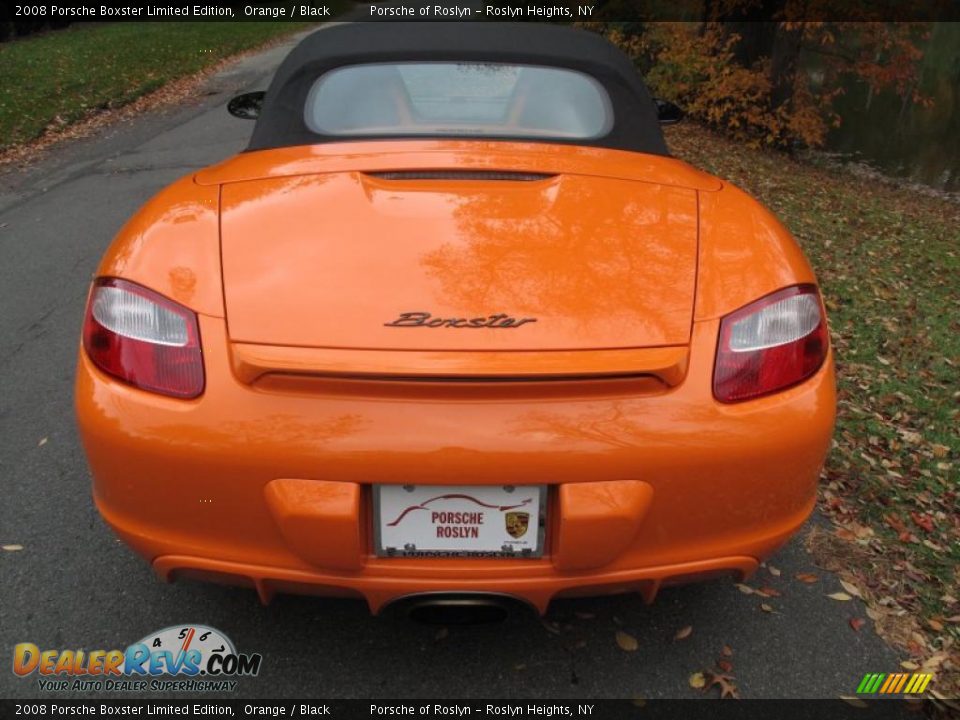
<point x="380" y="590"/>
<point x="270" y="488"/>
<point x="380" y="584"/>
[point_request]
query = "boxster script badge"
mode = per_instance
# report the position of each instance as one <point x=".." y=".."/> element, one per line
<point x="424" y="319"/>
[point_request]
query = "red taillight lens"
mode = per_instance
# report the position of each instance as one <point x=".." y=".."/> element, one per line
<point x="771" y="344"/>
<point x="143" y="338"/>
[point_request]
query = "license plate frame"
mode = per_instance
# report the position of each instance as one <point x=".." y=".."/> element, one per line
<point x="411" y="499"/>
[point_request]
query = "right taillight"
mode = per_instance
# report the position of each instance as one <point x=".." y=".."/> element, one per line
<point x="143" y="338"/>
<point x="776" y="342"/>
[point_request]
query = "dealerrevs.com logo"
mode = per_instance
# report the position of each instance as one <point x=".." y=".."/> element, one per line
<point x="191" y="658"/>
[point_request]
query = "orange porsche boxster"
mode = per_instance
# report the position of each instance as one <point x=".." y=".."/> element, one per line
<point x="454" y="327"/>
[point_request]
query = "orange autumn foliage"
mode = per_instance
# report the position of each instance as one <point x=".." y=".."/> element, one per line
<point x="700" y="67"/>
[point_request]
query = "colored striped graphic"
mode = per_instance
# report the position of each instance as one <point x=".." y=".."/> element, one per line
<point x="894" y="683"/>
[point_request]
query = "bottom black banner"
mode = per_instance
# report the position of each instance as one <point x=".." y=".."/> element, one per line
<point x="491" y="709"/>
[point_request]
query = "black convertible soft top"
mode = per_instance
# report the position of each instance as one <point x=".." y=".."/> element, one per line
<point x="281" y="122"/>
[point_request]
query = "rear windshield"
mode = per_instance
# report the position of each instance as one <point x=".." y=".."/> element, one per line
<point x="458" y="99"/>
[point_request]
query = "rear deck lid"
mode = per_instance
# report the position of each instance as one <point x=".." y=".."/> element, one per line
<point x="452" y="261"/>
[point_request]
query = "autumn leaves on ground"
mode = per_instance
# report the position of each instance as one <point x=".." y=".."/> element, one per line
<point x="888" y="261"/>
<point x="57" y="79"/>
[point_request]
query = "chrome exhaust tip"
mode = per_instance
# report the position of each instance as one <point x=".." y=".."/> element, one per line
<point x="456" y="608"/>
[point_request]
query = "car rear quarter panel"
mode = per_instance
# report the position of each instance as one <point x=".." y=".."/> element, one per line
<point x="745" y="253"/>
<point x="172" y="246"/>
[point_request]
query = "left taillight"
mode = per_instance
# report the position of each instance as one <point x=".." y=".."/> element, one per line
<point x="143" y="338"/>
<point x="772" y="344"/>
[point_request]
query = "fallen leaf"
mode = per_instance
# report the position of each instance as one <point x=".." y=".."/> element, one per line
<point x="922" y="520"/>
<point x="851" y="588"/>
<point x="855" y="701"/>
<point x="727" y="651"/>
<point x="745" y="589"/>
<point x="697" y="680"/>
<point x="935" y="625"/>
<point x="808" y="578"/>
<point x="910" y="436"/>
<point x="12" y="548"/>
<point x="909" y="665"/>
<point x="774" y="571"/>
<point x="441" y="634"/>
<point x="845" y="534"/>
<point x="725" y="665"/>
<point x="841" y="596"/>
<point x="766" y="608"/>
<point x="857" y="623"/>
<point x="726" y="685"/>
<point x="683" y="633"/>
<point x="550" y="626"/>
<point x="43" y="441"/>
<point x="769" y="591"/>
<point x="895" y="523"/>
<point x="626" y="641"/>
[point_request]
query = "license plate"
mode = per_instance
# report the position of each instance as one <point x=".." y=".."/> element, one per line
<point x="457" y="520"/>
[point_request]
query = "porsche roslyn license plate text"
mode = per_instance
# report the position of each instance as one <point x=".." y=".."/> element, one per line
<point x="459" y="520"/>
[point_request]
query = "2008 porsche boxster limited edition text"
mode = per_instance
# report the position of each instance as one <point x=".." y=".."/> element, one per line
<point x="455" y="325"/>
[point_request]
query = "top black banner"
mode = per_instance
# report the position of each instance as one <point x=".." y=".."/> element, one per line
<point x="487" y="10"/>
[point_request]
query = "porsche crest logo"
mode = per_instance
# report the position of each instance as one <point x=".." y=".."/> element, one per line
<point x="517" y="523"/>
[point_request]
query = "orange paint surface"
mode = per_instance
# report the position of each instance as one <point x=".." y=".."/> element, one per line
<point x="296" y="261"/>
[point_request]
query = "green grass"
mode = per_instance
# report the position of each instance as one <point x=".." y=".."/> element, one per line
<point x="888" y="261"/>
<point x="61" y="77"/>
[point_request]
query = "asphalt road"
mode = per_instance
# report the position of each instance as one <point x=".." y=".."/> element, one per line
<point x="73" y="585"/>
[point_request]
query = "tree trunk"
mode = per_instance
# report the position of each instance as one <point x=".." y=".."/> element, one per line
<point x="756" y="39"/>
<point x="783" y="64"/>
